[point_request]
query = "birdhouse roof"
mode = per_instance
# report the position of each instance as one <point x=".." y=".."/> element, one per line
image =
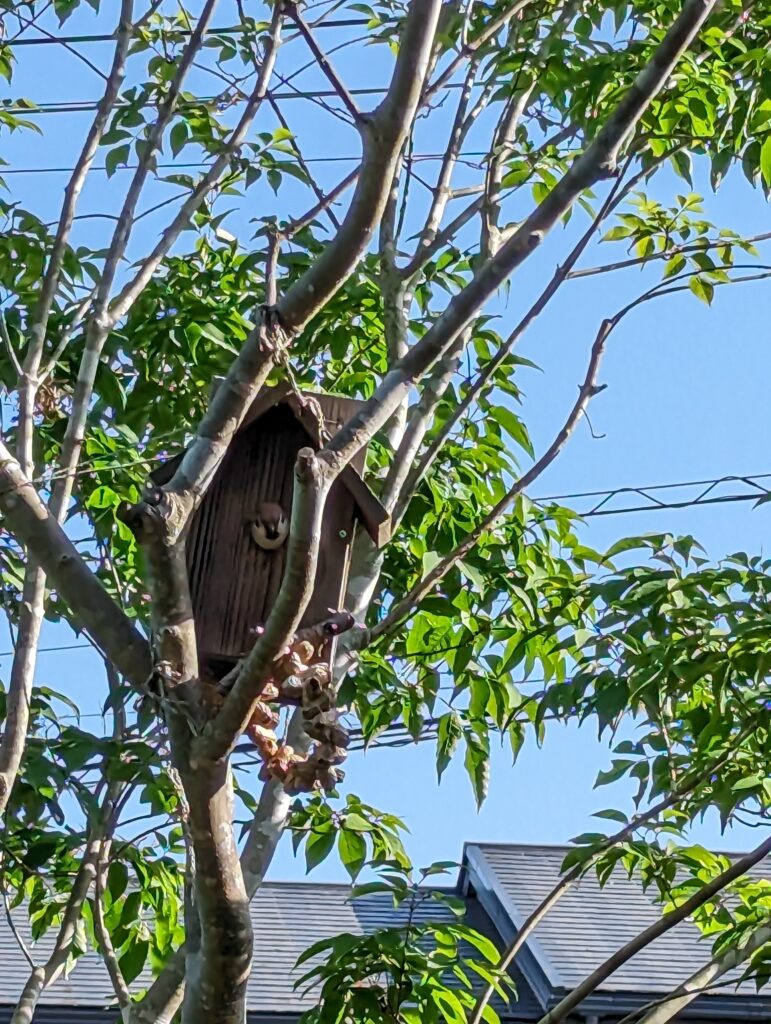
<point x="321" y="416"/>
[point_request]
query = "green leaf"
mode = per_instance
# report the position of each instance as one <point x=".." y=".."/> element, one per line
<point x="117" y="880"/>
<point x="370" y="889"/>
<point x="449" y="1005"/>
<point x="617" y="232"/>
<point x="477" y="763"/>
<point x="683" y="165"/>
<point x="514" y="427"/>
<point x="449" y="733"/>
<point x="612" y="815"/>
<point x="318" y="847"/>
<point x="179" y="135"/>
<point x="115" y="158"/>
<point x="354" y="822"/>
<point x="353" y="851"/>
<point x="134" y="959"/>
<point x="765" y="160"/>
<point x="673" y="266"/>
<point x="473" y="574"/>
<point x="702" y="289"/>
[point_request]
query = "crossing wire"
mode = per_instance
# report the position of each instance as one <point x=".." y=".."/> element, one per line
<point x="225" y="30"/>
<point x="757" y="492"/>
<point x="417" y="157"/>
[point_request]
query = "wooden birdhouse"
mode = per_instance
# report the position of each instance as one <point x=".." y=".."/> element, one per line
<point x="234" y="581"/>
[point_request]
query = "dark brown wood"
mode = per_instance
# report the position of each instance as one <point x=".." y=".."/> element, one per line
<point x="233" y="582"/>
<point x="335" y="411"/>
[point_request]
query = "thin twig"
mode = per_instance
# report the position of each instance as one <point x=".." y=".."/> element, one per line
<point x="271" y="264"/>
<point x="686" y="786"/>
<point x="28" y="22"/>
<point x="9" y="344"/>
<point x="104" y="317"/>
<point x="12" y="924"/>
<point x="586" y="392"/>
<point x="28" y="379"/>
<point x="675" y="250"/>
<point x="332" y="77"/>
<point x="103" y="938"/>
<point x="664" y="924"/>
<point x="305" y="219"/>
<point x="489" y="32"/>
<point x="485" y="377"/>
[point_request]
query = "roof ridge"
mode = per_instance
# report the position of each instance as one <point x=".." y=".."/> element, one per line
<point x="566" y="847"/>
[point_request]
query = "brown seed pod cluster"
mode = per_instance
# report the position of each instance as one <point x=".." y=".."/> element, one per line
<point x="302" y="679"/>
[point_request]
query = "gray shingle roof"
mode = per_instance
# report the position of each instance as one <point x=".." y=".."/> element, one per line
<point x="507" y="881"/>
<point x="590" y="923"/>
<point x="287" y="917"/>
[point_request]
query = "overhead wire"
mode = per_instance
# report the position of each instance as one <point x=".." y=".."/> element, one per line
<point x="218" y="30"/>
<point x="757" y="493"/>
<point x="194" y="164"/>
<point x="30" y="109"/>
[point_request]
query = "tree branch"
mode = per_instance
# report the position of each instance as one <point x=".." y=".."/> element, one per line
<point x="164" y="996"/>
<point x="485" y="36"/>
<point x="14" y="738"/>
<point x="305" y="219"/>
<point x="28" y="382"/>
<point x="33" y="593"/>
<point x="37" y="529"/>
<point x="418" y="470"/>
<point x="673" y="250"/>
<point x="384" y="133"/>
<point x="597" y="161"/>
<point x="217" y="971"/>
<point x="506" y="130"/>
<point x="442" y="194"/>
<point x="103" y="319"/>
<point x="586" y="392"/>
<point x="106" y="948"/>
<point x="396" y="298"/>
<point x="664" y="924"/>
<point x="44" y="976"/>
<point x="323" y="61"/>
<point x="131" y="291"/>
<point x="685" y="787"/>
<point x="669" y="1007"/>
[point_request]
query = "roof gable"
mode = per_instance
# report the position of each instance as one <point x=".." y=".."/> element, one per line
<point x="589" y="924"/>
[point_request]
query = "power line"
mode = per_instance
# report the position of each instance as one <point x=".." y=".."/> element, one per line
<point x="89" y="106"/>
<point x="707" y="493"/>
<point x="49" y="650"/>
<point x="197" y="164"/>
<point x="706" y="496"/>
<point x="223" y="30"/>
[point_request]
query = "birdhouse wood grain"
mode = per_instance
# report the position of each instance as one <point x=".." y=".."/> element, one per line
<point x="233" y="581"/>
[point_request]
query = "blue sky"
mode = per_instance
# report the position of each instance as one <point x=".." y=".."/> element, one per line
<point x="686" y="399"/>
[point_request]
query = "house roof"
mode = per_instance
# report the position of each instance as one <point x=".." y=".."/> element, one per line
<point x="287" y="917"/>
<point x="502" y="884"/>
<point x="588" y="924"/>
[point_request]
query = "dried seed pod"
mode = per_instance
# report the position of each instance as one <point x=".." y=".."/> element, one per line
<point x="326" y="728"/>
<point x="318" y="696"/>
<point x="291" y="691"/>
<point x="326" y="754"/>
<point x="264" y="715"/>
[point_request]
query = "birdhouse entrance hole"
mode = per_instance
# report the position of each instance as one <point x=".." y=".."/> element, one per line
<point x="233" y="581"/>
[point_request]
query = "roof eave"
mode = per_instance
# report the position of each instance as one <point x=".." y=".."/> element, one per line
<point x="506" y="920"/>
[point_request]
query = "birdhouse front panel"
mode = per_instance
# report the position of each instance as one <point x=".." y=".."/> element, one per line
<point x="234" y="582"/>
